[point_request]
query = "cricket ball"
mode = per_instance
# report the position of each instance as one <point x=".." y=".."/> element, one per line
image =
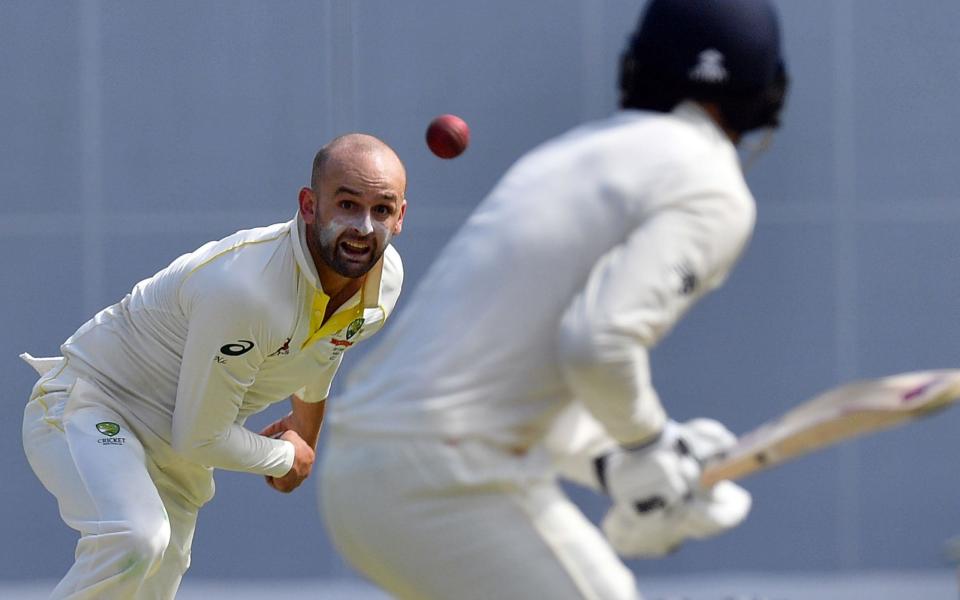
<point x="448" y="136"/>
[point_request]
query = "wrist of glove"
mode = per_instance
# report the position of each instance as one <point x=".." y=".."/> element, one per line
<point x="657" y="500"/>
<point x="656" y="475"/>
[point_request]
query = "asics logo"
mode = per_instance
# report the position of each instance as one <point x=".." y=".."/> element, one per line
<point x="237" y="348"/>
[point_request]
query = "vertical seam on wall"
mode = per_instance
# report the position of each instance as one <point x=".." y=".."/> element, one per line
<point x="329" y="122"/>
<point x="342" y="52"/>
<point x="845" y="256"/>
<point x="593" y="85"/>
<point x="353" y="114"/>
<point x="91" y="156"/>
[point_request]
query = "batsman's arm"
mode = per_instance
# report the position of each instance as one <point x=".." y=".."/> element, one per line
<point x="639" y="290"/>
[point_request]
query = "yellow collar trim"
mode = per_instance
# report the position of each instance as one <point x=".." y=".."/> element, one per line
<point x="336" y="322"/>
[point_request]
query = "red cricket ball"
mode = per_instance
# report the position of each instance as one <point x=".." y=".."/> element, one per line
<point x="448" y="136"/>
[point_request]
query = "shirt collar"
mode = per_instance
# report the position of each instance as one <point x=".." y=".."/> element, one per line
<point x="370" y="292"/>
<point x="694" y="113"/>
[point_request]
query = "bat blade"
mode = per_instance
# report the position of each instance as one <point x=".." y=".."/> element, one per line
<point x="834" y="416"/>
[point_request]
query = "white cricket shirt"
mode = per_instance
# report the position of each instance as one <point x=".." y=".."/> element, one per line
<point x="220" y="334"/>
<point x="583" y="257"/>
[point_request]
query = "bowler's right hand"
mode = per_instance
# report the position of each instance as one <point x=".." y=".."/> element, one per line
<point x="303" y="458"/>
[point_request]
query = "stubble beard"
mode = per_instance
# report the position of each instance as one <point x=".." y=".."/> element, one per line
<point x="328" y="239"/>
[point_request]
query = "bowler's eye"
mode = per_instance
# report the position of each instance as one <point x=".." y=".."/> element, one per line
<point x="346" y="204"/>
<point x="383" y="210"/>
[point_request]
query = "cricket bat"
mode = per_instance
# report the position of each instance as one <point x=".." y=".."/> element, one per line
<point x="834" y="416"/>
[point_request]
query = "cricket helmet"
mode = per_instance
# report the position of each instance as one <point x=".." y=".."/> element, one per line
<point x="722" y="51"/>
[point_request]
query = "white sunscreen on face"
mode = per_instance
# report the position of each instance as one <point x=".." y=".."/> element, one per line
<point x="362" y="224"/>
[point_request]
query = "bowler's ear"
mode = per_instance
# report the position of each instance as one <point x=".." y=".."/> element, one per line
<point x="308" y="205"/>
<point x="403" y="210"/>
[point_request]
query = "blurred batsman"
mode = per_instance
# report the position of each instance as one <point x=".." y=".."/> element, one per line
<point x="151" y="394"/>
<point x="524" y="351"/>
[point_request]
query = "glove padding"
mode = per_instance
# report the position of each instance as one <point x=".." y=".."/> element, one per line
<point x="658" y="502"/>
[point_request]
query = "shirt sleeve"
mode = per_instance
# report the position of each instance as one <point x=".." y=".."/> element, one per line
<point x="318" y="389"/>
<point x="227" y="334"/>
<point x="638" y="292"/>
<point x="575" y="440"/>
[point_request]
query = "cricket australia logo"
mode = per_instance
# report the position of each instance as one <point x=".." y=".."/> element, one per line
<point x="709" y="68"/>
<point x="354" y="327"/>
<point x="340" y="345"/>
<point x="110" y="430"/>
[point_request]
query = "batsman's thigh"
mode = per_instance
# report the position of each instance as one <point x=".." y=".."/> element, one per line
<point x="504" y="540"/>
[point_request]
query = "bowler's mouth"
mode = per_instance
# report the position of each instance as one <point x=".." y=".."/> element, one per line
<point x="355" y="249"/>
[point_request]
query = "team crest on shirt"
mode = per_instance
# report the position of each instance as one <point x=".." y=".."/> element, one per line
<point x="110" y="430"/>
<point x="354" y="327"/>
<point x="340" y="345"/>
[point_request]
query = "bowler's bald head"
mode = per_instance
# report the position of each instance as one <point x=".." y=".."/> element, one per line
<point x="350" y="148"/>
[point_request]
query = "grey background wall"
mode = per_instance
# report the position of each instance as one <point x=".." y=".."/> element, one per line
<point x="135" y="131"/>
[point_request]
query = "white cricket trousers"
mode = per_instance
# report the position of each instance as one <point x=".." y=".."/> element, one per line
<point x="428" y="519"/>
<point x="135" y="528"/>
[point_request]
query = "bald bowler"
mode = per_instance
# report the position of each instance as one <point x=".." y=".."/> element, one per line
<point x="150" y="395"/>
